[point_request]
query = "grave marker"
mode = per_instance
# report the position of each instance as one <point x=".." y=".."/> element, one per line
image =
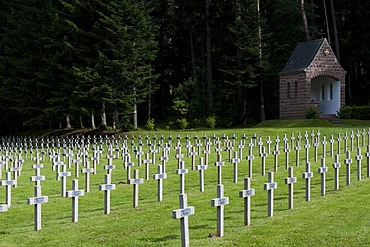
<point x="345" y="140"/>
<point x="220" y="202"/>
<point x="367" y="154"/>
<point x="246" y="194"/>
<point x="3" y="208"/>
<point x="290" y="180"/>
<point x="352" y="137"/>
<point x="324" y="142"/>
<point x="268" y="145"/>
<point x="270" y="186"/>
<point x="160" y="176"/>
<point x="250" y="159"/>
<point x="201" y="168"/>
<point x="235" y="160"/>
<point x="77" y="162"/>
<point x="339" y="139"/>
<point x="286" y="151"/>
<point x="315" y="145"/>
<point x="193" y="154"/>
<point x="37" y="201"/>
<point x="15" y="171"/>
<point x="64" y="174"/>
<point x="276" y="153"/>
<point x="107" y="187"/>
<point x="348" y="162"/>
<point x="336" y="166"/>
<point x="136" y="181"/>
<point x="219" y="165"/>
<point x="8" y="183"/>
<point x="307" y="147"/>
<point x="358" y="158"/>
<point x="128" y="166"/>
<point x="153" y="151"/>
<point x="87" y="172"/>
<point x="147" y="162"/>
<point x="323" y="170"/>
<point x="37" y="178"/>
<point x="95" y="160"/>
<point x="182" y="171"/>
<point x="109" y="168"/>
<point x="206" y="152"/>
<point x="74" y="194"/>
<point x="183" y="214"/>
<point x="308" y="175"/>
<point x="263" y="161"/>
<point x="297" y="149"/>
<point x="331" y="141"/>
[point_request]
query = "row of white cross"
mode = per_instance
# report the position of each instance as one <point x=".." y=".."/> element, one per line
<point x="184" y="210"/>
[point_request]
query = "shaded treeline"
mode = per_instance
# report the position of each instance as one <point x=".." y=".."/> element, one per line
<point x="118" y="63"/>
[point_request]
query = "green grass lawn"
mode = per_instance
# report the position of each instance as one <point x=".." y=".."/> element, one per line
<point x="340" y="218"/>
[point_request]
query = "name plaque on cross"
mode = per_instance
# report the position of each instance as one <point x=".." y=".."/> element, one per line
<point x="247" y="193"/>
<point x="107" y="187"/>
<point x="322" y="169"/>
<point x="181" y="213"/>
<point x="219" y="201"/>
<point x="109" y="167"/>
<point x="87" y="170"/>
<point x="307" y="175"/>
<point x="136" y="181"/>
<point x="182" y="171"/>
<point x="75" y="193"/>
<point x="3" y="208"/>
<point x="37" y="178"/>
<point x="290" y="180"/>
<point x="270" y="186"/>
<point x="64" y="174"/>
<point x="160" y="176"/>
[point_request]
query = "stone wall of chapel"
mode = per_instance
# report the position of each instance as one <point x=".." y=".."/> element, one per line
<point x="293" y="106"/>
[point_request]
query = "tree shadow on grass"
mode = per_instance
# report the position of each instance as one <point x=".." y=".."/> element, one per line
<point x="162" y="239"/>
<point x="198" y="227"/>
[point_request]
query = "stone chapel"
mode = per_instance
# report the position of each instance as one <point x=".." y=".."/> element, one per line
<point x="312" y="77"/>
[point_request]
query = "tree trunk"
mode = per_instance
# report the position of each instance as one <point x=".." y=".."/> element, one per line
<point x="262" y="99"/>
<point x="103" y="117"/>
<point x="135" y="116"/>
<point x="135" y="111"/>
<point x="209" y="62"/>
<point x="244" y="108"/>
<point x="192" y="53"/>
<point x="115" y="119"/>
<point x="68" y="121"/>
<point x="335" y="30"/>
<point x="327" y="22"/>
<point x="93" y="120"/>
<point x="81" y="122"/>
<point x="304" y="18"/>
<point x="150" y="102"/>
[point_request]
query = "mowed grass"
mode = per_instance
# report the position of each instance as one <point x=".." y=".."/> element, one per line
<point x="340" y="218"/>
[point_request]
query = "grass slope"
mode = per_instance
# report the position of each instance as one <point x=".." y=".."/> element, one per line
<point x="340" y="218"/>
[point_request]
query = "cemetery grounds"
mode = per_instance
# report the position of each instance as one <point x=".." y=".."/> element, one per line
<point x="339" y="218"/>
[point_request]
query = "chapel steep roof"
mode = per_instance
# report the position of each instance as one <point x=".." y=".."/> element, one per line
<point x="302" y="56"/>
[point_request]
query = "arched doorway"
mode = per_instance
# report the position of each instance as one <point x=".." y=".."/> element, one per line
<point x="325" y="91"/>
